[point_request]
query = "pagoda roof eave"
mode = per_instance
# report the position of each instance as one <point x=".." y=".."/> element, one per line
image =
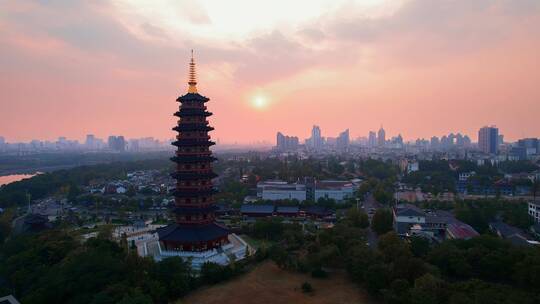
<point x="192" y="97"/>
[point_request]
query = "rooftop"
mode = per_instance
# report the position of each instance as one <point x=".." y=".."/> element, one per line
<point x="262" y="209"/>
<point x="288" y="209"/>
<point x="505" y="230"/>
<point x="331" y="184"/>
<point x="180" y="233"/>
<point x="408" y="210"/>
<point x="461" y="230"/>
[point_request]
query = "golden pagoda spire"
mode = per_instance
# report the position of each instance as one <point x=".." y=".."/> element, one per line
<point x="192" y="76"/>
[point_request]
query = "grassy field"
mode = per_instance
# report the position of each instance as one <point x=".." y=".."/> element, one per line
<point x="267" y="283"/>
<point x="254" y="242"/>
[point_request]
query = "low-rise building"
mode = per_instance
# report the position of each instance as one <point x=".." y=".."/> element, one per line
<point x="464" y="176"/>
<point x="279" y="190"/>
<point x="336" y="190"/>
<point x="436" y="224"/>
<point x="327" y="189"/>
<point x="513" y="234"/>
<point x="534" y="211"/>
<point x="257" y="210"/>
<point x="461" y="231"/>
<point x="406" y="216"/>
<point x="288" y="211"/>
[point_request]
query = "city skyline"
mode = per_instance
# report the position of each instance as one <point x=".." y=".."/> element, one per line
<point x="420" y="68"/>
<point x="324" y="134"/>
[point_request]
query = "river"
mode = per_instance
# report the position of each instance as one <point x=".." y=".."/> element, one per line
<point x="7" y="179"/>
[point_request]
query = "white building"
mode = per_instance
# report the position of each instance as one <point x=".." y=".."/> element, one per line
<point x="280" y="190"/>
<point x="406" y="216"/>
<point x="534" y="211"/>
<point x="235" y="250"/>
<point x="336" y="190"/>
<point x="409" y="166"/>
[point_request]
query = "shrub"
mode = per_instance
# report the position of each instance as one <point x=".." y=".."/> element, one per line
<point x="306" y="287"/>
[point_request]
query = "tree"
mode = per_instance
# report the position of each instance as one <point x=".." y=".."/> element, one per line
<point x="5" y="224"/>
<point x="377" y="277"/>
<point x="419" y="246"/>
<point x="357" y="218"/>
<point x="382" y="195"/>
<point x="428" y="289"/>
<point x="136" y="297"/>
<point x="392" y="247"/>
<point x="382" y="221"/>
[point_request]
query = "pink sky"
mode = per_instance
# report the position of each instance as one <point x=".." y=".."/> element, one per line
<point x="418" y="67"/>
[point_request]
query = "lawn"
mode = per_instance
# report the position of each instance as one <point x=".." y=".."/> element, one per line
<point x="267" y="283"/>
<point x="255" y="243"/>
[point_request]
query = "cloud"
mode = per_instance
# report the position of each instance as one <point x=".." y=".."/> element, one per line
<point x="425" y="30"/>
<point x="78" y="57"/>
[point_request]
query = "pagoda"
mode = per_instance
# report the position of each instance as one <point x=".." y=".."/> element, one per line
<point x="195" y="228"/>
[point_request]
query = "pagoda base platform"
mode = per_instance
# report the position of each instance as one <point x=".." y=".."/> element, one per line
<point x="235" y="250"/>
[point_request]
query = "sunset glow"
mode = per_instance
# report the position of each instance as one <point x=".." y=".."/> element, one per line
<point x="414" y="66"/>
<point x="259" y="102"/>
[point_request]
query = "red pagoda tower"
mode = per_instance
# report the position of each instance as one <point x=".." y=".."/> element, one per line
<point x="195" y="228"/>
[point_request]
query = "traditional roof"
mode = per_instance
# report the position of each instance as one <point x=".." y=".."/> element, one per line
<point x="193" y="175"/>
<point x="192" y="159"/>
<point x="193" y="143"/>
<point x="194" y="193"/>
<point x="192" y="127"/>
<point x="192" y="233"/>
<point x="287" y="209"/>
<point x="192" y="112"/>
<point x="192" y="97"/>
<point x="260" y="209"/>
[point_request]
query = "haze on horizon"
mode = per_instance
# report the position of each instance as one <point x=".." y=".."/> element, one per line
<point x="418" y="67"/>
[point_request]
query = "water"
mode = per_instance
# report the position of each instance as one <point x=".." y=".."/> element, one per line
<point x="7" y="179"/>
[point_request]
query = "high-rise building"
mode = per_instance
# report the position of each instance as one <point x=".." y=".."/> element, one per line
<point x="316" y="137"/>
<point x="381" y="137"/>
<point x="117" y="143"/>
<point x="372" y="139"/>
<point x="90" y="142"/>
<point x="466" y="141"/>
<point x="531" y="146"/>
<point x="434" y="143"/>
<point x="342" y="141"/>
<point x="286" y="143"/>
<point x="133" y="145"/>
<point x="488" y="140"/>
<point x="195" y="228"/>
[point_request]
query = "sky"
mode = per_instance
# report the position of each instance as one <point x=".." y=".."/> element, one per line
<point x="417" y="67"/>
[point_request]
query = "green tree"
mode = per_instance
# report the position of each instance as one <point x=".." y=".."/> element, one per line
<point x="419" y="246"/>
<point x="382" y="221"/>
<point x="428" y="289"/>
<point x="357" y="218"/>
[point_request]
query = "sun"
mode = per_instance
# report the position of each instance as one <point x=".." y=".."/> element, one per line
<point x="259" y="102"/>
